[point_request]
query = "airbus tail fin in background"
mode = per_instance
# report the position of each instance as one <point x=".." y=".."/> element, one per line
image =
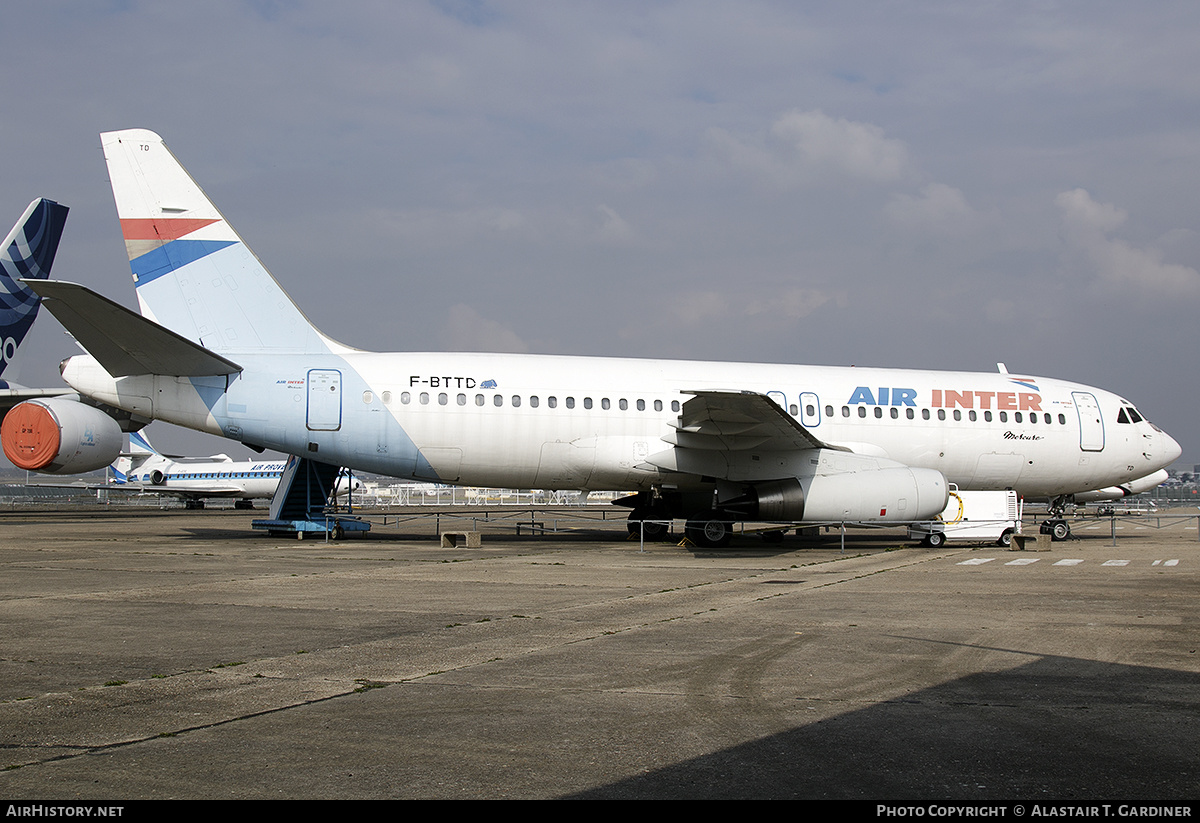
<point x="180" y="245"/>
<point x="28" y="252"/>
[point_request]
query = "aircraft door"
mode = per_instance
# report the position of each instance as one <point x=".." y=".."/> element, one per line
<point x="1091" y="424"/>
<point x="324" y="400"/>
<point x="810" y="409"/>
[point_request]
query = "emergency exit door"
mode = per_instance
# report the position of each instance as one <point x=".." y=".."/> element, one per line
<point x="1091" y="424"/>
<point x="324" y="400"/>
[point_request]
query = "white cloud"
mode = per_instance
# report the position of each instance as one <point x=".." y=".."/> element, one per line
<point x="810" y="145"/>
<point x="857" y="149"/>
<point x="468" y="330"/>
<point x="613" y="227"/>
<point x="938" y="209"/>
<point x="1114" y="264"/>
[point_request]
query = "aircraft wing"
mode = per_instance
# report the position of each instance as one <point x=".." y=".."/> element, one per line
<point x="738" y="421"/>
<point x="736" y="435"/>
<point x="15" y="395"/>
<point x="122" y="341"/>
<point x="210" y="491"/>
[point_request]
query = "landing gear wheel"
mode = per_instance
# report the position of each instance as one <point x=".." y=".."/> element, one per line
<point x="709" y="531"/>
<point x="935" y="540"/>
<point x="649" y="523"/>
<point x="1058" y="529"/>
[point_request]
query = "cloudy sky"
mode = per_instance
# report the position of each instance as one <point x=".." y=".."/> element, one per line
<point x="935" y="185"/>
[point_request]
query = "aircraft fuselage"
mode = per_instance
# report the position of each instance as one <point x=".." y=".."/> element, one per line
<point x="561" y="422"/>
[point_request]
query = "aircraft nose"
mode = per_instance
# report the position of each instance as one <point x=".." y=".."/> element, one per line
<point x="1170" y="449"/>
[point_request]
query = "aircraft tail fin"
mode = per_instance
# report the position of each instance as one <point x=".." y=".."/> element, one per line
<point x="139" y="445"/>
<point x="121" y="469"/>
<point x="193" y="273"/>
<point x="28" y="252"/>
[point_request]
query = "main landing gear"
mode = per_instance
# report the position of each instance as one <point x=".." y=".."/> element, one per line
<point x="651" y="523"/>
<point x="710" y="530"/>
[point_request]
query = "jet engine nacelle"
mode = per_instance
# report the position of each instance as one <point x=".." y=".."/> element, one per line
<point x="157" y="478"/>
<point x="57" y="435"/>
<point x="890" y="494"/>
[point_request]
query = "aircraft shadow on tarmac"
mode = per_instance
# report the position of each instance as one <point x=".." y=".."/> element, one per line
<point x="1056" y="728"/>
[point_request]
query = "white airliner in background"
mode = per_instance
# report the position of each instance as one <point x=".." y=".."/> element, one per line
<point x="197" y="478"/>
<point x="221" y="348"/>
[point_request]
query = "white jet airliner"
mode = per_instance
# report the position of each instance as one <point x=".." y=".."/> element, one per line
<point x="196" y="479"/>
<point x="221" y="348"/>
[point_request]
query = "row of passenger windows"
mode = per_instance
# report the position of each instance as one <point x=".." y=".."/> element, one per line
<point x="955" y="414"/>
<point x="216" y="475"/>
<point x="534" y="401"/>
<point x="443" y="399"/>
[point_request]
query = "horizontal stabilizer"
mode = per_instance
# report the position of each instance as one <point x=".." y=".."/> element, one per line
<point x="122" y="341"/>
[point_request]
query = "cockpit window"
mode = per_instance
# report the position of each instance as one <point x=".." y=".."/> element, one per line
<point x="1129" y="414"/>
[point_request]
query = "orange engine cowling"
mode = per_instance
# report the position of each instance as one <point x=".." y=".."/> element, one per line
<point x="58" y="435"/>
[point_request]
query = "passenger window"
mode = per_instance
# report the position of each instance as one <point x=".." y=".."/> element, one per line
<point x="658" y="405"/>
<point x="641" y="405"/>
<point x="533" y="400"/>
<point x="587" y="402"/>
<point x="895" y="413"/>
<point x="570" y="402"/>
<point x="462" y="400"/>
<point x="479" y="400"/>
<point x="516" y="401"/>
<point x="443" y="399"/>
<point x="405" y="397"/>
<point x="498" y="400"/>
<point x="674" y="405"/>
<point x="552" y="402"/>
<point x="424" y="398"/>
<point x="604" y="404"/>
